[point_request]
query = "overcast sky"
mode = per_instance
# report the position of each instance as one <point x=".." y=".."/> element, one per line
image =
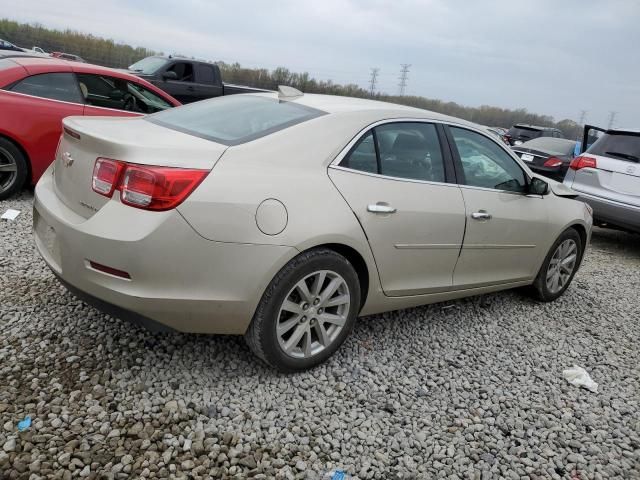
<point x="549" y="56"/>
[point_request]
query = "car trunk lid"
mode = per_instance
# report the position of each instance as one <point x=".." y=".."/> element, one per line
<point x="131" y="140"/>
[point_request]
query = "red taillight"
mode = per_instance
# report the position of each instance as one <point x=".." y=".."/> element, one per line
<point x="147" y="187"/>
<point x="582" y="162"/>
<point x="553" y="162"/>
<point x="106" y="175"/>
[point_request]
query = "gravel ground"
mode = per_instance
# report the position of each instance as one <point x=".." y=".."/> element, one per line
<point x="473" y="389"/>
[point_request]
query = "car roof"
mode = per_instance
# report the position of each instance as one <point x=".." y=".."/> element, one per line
<point x="335" y="104"/>
<point x="538" y="127"/>
<point x="632" y="131"/>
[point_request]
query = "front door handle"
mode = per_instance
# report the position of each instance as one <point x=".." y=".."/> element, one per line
<point x="190" y="88"/>
<point x="481" y="215"/>
<point x="380" y="207"/>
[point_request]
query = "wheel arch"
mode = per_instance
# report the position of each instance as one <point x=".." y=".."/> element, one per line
<point x="356" y="259"/>
<point x="582" y="232"/>
<point x="24" y="152"/>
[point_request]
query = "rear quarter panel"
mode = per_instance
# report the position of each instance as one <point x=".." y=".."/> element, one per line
<point x="35" y="125"/>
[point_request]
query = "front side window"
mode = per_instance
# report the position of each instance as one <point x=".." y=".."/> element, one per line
<point x="111" y="92"/>
<point x="235" y="119"/>
<point x="183" y="70"/>
<point x="408" y="150"/>
<point x="487" y="165"/>
<point x="55" y="86"/>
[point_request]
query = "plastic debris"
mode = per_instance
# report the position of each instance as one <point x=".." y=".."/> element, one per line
<point x="24" y="424"/>
<point x="10" y="214"/>
<point x="336" y="475"/>
<point x="579" y="377"/>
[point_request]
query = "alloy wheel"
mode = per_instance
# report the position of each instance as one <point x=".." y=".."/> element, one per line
<point x="561" y="265"/>
<point x="313" y="314"/>
<point x="8" y="170"/>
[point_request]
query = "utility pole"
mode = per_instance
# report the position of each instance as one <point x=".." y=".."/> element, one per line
<point x="373" y="81"/>
<point x="612" y="118"/>
<point x="404" y="73"/>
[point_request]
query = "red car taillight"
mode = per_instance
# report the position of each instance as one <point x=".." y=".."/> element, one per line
<point x="147" y="187"/>
<point x="106" y="175"/>
<point x="553" y="162"/>
<point x="582" y="162"/>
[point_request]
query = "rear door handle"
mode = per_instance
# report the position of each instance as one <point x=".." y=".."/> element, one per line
<point x="380" y="207"/>
<point x="481" y="215"/>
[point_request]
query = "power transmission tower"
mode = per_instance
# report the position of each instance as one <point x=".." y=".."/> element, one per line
<point x="373" y="81"/>
<point x="612" y="118"/>
<point x="583" y="117"/>
<point x="404" y="73"/>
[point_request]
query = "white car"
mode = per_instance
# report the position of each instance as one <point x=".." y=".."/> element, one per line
<point x="283" y="217"/>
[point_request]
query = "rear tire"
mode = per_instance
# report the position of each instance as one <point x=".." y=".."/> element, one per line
<point x="559" y="266"/>
<point x="13" y="169"/>
<point x="306" y="312"/>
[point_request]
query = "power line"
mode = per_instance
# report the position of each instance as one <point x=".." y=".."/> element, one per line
<point x="373" y="81"/>
<point x="612" y="118"/>
<point x="404" y="74"/>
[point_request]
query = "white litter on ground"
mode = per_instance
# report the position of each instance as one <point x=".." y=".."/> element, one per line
<point x="579" y="377"/>
<point x="10" y="214"/>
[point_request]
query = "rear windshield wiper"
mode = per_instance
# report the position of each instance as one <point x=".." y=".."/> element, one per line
<point x="626" y="156"/>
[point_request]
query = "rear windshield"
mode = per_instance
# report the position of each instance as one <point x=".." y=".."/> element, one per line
<point x="234" y="119"/>
<point x="554" y="146"/>
<point x="524" y="133"/>
<point x="623" y="146"/>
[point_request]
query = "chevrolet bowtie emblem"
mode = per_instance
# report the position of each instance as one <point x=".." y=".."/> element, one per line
<point x="67" y="159"/>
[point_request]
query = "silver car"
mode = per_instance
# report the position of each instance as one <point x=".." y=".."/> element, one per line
<point x="607" y="177"/>
<point x="283" y="217"/>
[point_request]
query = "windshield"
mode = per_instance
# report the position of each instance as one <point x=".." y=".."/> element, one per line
<point x="235" y="119"/>
<point x="620" y="145"/>
<point x="148" y="65"/>
<point x="554" y="146"/>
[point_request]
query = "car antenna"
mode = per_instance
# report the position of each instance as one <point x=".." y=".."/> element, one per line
<point x="286" y="93"/>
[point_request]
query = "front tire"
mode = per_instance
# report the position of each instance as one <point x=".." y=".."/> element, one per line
<point x="13" y="169"/>
<point x="559" y="267"/>
<point x="306" y="312"/>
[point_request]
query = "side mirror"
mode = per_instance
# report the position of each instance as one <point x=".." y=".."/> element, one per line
<point x="170" y="75"/>
<point x="538" y="187"/>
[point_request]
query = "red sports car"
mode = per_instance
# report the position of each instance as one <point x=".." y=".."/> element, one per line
<point x="37" y="93"/>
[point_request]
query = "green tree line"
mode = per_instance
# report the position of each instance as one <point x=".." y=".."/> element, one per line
<point x="117" y="55"/>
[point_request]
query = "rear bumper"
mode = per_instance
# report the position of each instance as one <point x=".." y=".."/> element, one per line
<point x="179" y="280"/>
<point x="613" y="213"/>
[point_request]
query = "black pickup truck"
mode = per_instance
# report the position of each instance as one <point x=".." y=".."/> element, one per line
<point x="185" y="79"/>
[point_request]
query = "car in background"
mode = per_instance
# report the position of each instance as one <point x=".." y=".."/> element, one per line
<point x="4" y="45"/>
<point x="498" y="132"/>
<point x="67" y="56"/>
<point x="607" y="176"/>
<point x="37" y="92"/>
<point x="521" y="133"/>
<point x="197" y="218"/>
<point x="187" y="79"/>
<point x="547" y="156"/>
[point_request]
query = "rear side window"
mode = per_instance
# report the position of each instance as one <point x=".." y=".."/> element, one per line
<point x="205" y="74"/>
<point x="623" y="146"/>
<point x="55" y="86"/>
<point x="408" y="150"/>
<point x="235" y="119"/>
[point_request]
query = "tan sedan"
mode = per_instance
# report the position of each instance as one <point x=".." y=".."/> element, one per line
<point x="283" y="217"/>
